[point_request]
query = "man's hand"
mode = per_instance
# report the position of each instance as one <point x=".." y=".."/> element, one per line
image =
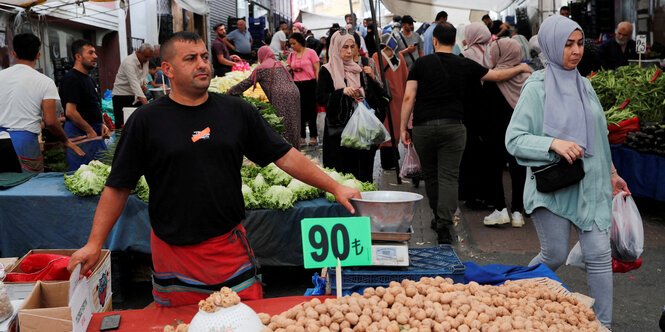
<point x="618" y="185"/>
<point x="411" y="49"/>
<point x="567" y="149"/>
<point x="344" y="194"/>
<point x="75" y="147"/>
<point x="106" y="132"/>
<point x="406" y="138"/>
<point x="87" y="257"/>
<point x="91" y="133"/>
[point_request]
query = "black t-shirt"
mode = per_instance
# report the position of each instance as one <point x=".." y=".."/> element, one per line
<point x="78" y="88"/>
<point x="194" y="186"/>
<point x="443" y="80"/>
<point x="496" y="27"/>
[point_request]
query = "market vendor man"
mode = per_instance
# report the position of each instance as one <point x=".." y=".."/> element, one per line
<point x="80" y="98"/>
<point x="190" y="148"/>
<point x="29" y="98"/>
<point x="616" y="52"/>
<point x="131" y="82"/>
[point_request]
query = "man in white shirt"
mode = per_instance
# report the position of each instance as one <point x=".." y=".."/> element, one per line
<point x="28" y="97"/>
<point x="131" y="82"/>
<point x="278" y="42"/>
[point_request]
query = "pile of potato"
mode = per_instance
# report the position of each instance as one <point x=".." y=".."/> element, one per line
<point x="437" y="304"/>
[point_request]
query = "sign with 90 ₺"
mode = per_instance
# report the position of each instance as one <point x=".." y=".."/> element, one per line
<point x="324" y="240"/>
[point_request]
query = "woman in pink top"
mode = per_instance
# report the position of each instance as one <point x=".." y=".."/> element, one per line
<point x="305" y="65"/>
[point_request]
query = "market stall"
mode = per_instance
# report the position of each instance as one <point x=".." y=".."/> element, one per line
<point x="42" y="213"/>
<point x="634" y="103"/>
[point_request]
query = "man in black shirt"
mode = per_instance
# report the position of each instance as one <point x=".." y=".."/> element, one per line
<point x="437" y="85"/>
<point x="616" y="52"/>
<point x="496" y="27"/>
<point x="190" y="148"/>
<point x="80" y="99"/>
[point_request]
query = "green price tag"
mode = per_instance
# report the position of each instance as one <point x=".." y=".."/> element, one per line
<point x="326" y="239"/>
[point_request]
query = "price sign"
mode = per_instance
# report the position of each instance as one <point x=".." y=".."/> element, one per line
<point x="326" y="239"/>
<point x="641" y="44"/>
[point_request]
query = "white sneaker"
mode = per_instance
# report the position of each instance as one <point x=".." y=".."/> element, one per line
<point x="517" y="219"/>
<point x="497" y="218"/>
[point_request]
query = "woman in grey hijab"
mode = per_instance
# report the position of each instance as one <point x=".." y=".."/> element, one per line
<point x="558" y="116"/>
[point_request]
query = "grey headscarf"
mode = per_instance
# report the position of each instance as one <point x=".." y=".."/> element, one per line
<point x="568" y="113"/>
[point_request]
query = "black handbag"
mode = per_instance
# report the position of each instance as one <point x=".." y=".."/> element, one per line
<point x="557" y="176"/>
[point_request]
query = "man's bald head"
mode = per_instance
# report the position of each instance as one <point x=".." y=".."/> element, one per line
<point x="624" y="32"/>
<point x="168" y="49"/>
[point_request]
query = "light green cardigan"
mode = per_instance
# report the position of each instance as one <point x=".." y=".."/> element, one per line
<point x="583" y="203"/>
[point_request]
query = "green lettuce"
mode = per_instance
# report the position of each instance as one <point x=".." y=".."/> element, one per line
<point x="259" y="183"/>
<point x="275" y="176"/>
<point x="88" y="180"/>
<point x="302" y="190"/>
<point x="278" y="198"/>
<point x="142" y="189"/>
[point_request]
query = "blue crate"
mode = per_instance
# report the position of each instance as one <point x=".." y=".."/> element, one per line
<point x="423" y="262"/>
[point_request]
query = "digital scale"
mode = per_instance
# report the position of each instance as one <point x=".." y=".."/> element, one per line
<point x="391" y="214"/>
<point x="391" y="249"/>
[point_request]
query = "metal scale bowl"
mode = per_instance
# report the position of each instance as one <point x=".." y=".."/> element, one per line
<point x="391" y="214"/>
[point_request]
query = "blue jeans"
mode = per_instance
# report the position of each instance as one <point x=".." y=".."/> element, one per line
<point x="554" y="235"/>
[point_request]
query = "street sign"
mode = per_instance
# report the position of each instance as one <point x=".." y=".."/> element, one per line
<point x="641" y="44"/>
<point x="324" y="240"/>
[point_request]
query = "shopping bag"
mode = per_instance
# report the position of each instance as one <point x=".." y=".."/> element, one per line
<point x="576" y="257"/>
<point x="627" y="235"/>
<point x="411" y="165"/>
<point x="363" y="129"/>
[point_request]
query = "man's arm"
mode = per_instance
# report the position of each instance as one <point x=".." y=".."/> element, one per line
<point x="301" y="168"/>
<point x="108" y="211"/>
<point x="136" y="84"/>
<point x="229" y="44"/>
<point x="53" y="125"/>
<point x="407" y="108"/>
<point x="224" y="61"/>
<point x="499" y="75"/>
<point x="75" y="117"/>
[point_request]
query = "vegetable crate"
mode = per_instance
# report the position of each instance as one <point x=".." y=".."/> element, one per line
<point x="424" y="262"/>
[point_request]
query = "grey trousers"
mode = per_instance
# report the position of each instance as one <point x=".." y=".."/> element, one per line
<point x="440" y="151"/>
<point x="554" y="235"/>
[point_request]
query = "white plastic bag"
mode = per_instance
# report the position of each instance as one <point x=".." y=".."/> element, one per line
<point x="576" y="257"/>
<point x="411" y="165"/>
<point x="363" y="129"/>
<point x="627" y="236"/>
<point x="320" y="124"/>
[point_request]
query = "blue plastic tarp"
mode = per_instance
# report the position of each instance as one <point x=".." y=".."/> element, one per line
<point x="43" y="214"/>
<point x="644" y="172"/>
<point x="497" y="274"/>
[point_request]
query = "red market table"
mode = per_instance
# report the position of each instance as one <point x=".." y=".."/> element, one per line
<point x="154" y="319"/>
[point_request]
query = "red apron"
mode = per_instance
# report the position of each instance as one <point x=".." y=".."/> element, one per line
<point x="187" y="274"/>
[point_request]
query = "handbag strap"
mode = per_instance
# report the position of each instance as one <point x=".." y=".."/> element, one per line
<point x="406" y="46"/>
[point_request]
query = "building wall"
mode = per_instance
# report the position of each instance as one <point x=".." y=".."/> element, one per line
<point x="220" y="11"/>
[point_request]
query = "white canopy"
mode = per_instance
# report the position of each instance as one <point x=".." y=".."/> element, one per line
<point x="459" y="11"/>
<point x="103" y="16"/>
<point x="318" y="24"/>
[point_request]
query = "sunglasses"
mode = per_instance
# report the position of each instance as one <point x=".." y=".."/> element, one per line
<point x="343" y="32"/>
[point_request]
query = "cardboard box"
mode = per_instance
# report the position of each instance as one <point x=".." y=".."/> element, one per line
<point x="57" y="307"/>
<point x="99" y="281"/>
